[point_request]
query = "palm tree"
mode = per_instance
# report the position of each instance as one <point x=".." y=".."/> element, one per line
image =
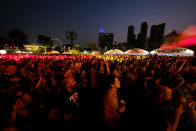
<point x="71" y="36"/>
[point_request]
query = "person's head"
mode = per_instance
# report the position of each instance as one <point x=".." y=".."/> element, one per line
<point x="19" y="93"/>
<point x="114" y="82"/>
<point x="29" y="75"/>
<point x="83" y="73"/>
<point x="11" y="69"/>
<point x="20" y="103"/>
<point x="150" y="72"/>
<point x="22" y="71"/>
<point x="71" y="66"/>
<point x="156" y="66"/>
<point x="47" y="71"/>
<point x="27" y="99"/>
<point x="115" y="73"/>
<point x="70" y="83"/>
<point x="128" y="75"/>
<point x="39" y="67"/>
<point x="53" y="114"/>
<point x="186" y="68"/>
<point x="118" y="66"/>
<point x="169" y="69"/>
<point x="163" y="93"/>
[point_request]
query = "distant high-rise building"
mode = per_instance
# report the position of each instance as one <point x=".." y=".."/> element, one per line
<point x="101" y="40"/>
<point x="141" y="37"/>
<point x="156" y="36"/>
<point x="131" y="37"/>
<point x="106" y="40"/>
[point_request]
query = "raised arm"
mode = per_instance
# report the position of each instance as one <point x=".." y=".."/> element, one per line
<point x="190" y="109"/>
<point x="172" y="126"/>
<point x="107" y="68"/>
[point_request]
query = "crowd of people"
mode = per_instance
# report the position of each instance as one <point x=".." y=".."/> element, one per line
<point x="95" y="92"/>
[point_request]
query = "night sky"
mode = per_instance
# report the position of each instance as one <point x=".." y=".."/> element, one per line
<point x="86" y="17"/>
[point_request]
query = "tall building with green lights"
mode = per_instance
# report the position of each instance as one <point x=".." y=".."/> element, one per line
<point x="106" y="40"/>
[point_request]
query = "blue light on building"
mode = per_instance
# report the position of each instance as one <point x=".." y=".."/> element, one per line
<point x="101" y="30"/>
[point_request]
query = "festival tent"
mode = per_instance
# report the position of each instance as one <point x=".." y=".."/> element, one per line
<point x="66" y="52"/>
<point x="53" y="52"/>
<point x="173" y="51"/>
<point x="95" y="52"/>
<point x="136" y="51"/>
<point x="71" y="52"/>
<point x="3" y="51"/>
<point x="85" y="52"/>
<point x="114" y="51"/>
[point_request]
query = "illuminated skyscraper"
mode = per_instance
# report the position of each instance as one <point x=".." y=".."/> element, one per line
<point x="141" y="38"/>
<point x="106" y="40"/>
<point x="156" y="36"/>
<point x="131" y="37"/>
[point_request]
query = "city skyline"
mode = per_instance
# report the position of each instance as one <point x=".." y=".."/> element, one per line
<point x="53" y="18"/>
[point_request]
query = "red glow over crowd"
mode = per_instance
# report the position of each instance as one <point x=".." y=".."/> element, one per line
<point x="187" y="42"/>
<point x="186" y="39"/>
<point x="183" y="43"/>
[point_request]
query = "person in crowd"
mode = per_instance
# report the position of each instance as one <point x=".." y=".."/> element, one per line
<point x="157" y="116"/>
<point x="190" y="110"/>
<point x="112" y="107"/>
<point x="70" y="97"/>
<point x="50" y="91"/>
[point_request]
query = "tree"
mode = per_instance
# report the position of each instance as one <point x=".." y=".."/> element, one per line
<point x="45" y="41"/>
<point x="3" y="42"/>
<point x="77" y="46"/>
<point x="71" y="36"/>
<point x="17" y="38"/>
<point x="171" y="37"/>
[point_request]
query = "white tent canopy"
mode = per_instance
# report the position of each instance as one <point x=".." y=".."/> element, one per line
<point x="85" y="52"/>
<point x="173" y="51"/>
<point x="114" y="51"/>
<point x="136" y="51"/>
<point x="95" y="52"/>
<point x="54" y="52"/>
